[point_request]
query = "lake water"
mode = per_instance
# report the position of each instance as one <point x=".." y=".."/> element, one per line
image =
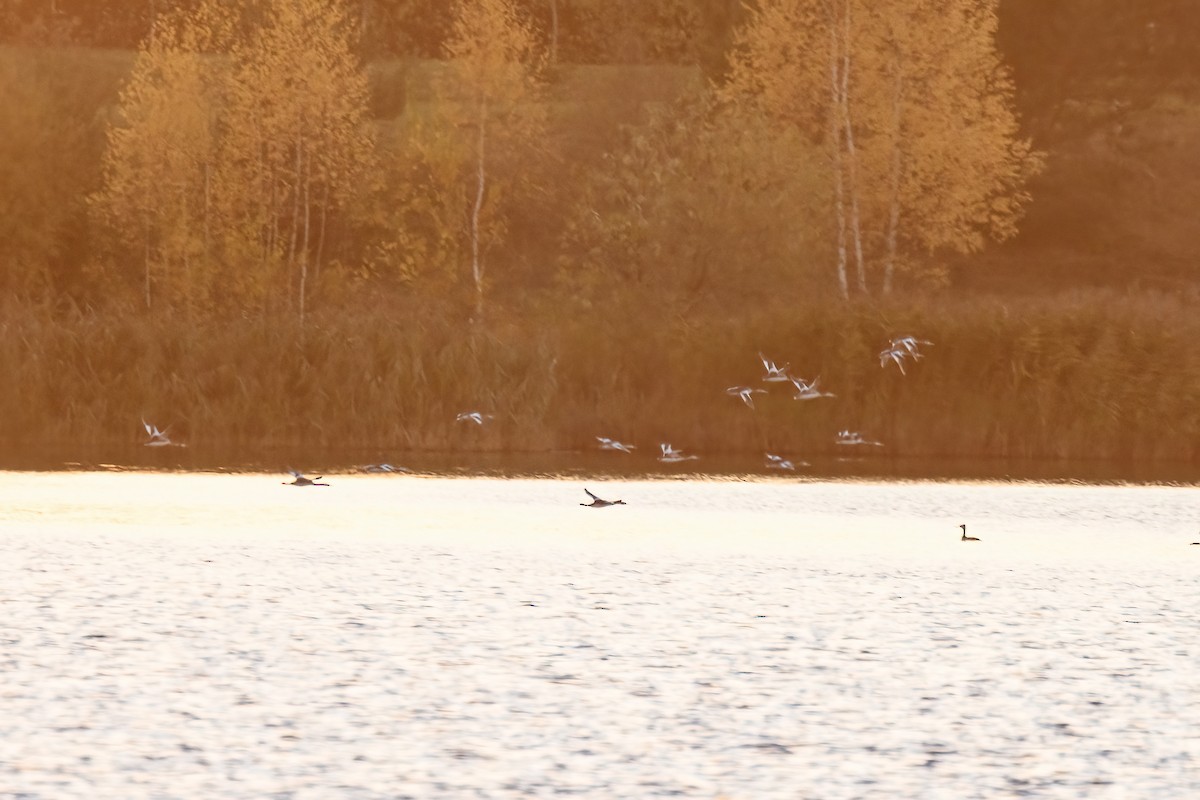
<point x="221" y="635"/>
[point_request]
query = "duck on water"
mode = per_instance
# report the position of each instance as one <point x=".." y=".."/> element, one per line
<point x="966" y="538"/>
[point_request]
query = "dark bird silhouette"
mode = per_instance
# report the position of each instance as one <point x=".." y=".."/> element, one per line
<point x="966" y="538"/>
<point x="300" y="480"/>
<point x="598" y="503"/>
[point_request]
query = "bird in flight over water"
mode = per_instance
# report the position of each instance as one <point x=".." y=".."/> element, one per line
<point x="598" y="503"/>
<point x="300" y="480"/>
<point x="158" y="438"/>
<point x="612" y="444"/>
<point x="772" y="373"/>
<point x="672" y="456"/>
<point x="744" y="392"/>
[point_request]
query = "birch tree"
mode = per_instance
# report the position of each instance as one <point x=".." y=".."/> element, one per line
<point x="494" y="110"/>
<point x="297" y="144"/>
<point x="158" y="165"/>
<point x="916" y="116"/>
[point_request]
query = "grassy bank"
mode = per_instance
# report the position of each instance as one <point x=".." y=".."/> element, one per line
<point x="1076" y="379"/>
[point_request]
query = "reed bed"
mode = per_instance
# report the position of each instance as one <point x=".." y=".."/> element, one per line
<point x="1074" y="379"/>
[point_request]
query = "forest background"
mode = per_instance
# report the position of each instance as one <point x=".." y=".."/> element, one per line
<point x="614" y="268"/>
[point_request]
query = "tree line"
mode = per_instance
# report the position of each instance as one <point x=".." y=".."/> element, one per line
<point x="844" y="149"/>
<point x="577" y="31"/>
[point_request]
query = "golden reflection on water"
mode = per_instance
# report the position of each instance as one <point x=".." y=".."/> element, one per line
<point x="860" y="519"/>
<point x="213" y="635"/>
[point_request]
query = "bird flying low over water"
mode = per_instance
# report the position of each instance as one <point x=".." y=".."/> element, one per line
<point x="612" y="444"/>
<point x="157" y="438"/>
<point x="376" y="469"/>
<point x="894" y="355"/>
<point x="672" y="456"/>
<point x="909" y="343"/>
<point x="598" y="503"/>
<point x="745" y="393"/>
<point x="854" y="438"/>
<point x="300" y="480"/>
<point x="779" y="462"/>
<point x="472" y="416"/>
<point x="772" y="373"/>
<point x="901" y="348"/>
<point x="809" y="390"/>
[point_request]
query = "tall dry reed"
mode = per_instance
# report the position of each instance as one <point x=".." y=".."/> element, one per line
<point x="1110" y="379"/>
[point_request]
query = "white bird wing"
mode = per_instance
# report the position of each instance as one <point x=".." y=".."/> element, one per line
<point x="589" y="494"/>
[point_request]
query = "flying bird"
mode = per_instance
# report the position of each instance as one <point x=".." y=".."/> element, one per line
<point x="894" y="355"/>
<point x="376" y="469"/>
<point x="744" y="392"/>
<point x="772" y="373"/>
<point x="779" y="462"/>
<point x="598" y="503"/>
<point x="909" y="343"/>
<point x="300" y="480"/>
<point x="672" y="456"/>
<point x="157" y="438"/>
<point x="854" y="438"/>
<point x="612" y="444"/>
<point x="808" y="390"/>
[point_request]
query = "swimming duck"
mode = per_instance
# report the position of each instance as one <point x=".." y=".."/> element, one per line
<point x="966" y="538"/>
<point x="598" y="503"/>
<point x="300" y="480"/>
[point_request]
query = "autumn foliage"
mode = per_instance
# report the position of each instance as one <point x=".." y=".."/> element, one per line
<point x="258" y="181"/>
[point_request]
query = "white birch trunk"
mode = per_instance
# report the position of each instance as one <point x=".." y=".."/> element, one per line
<point x="851" y="155"/>
<point x="481" y="183"/>
<point x="320" y="254"/>
<point x="295" y="232"/>
<point x="146" y="262"/>
<point x="207" y="213"/>
<point x="305" y="240"/>
<point x="835" y="143"/>
<point x="889" y="265"/>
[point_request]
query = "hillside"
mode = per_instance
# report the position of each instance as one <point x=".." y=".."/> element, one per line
<point x="1111" y="92"/>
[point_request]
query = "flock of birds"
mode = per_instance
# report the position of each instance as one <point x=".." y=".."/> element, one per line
<point x="898" y="351"/>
